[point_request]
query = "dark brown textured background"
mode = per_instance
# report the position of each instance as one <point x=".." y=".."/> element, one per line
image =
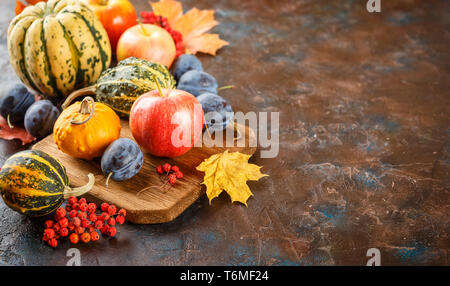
<point x="364" y="143"/>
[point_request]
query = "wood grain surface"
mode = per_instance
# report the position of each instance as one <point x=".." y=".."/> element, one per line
<point x="147" y="197"/>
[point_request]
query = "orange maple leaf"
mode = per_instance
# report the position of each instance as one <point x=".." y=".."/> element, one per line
<point x="193" y="25"/>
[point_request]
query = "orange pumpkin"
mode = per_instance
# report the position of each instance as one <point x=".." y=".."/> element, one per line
<point x="84" y="130"/>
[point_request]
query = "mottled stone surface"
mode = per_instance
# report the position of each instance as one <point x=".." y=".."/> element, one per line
<point x="364" y="143"/>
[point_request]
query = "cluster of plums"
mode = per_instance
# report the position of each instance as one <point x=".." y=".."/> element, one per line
<point x="190" y="77"/>
<point x="18" y="106"/>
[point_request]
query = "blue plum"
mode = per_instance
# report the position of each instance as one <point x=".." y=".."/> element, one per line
<point x="218" y="113"/>
<point x="15" y="103"/>
<point x="40" y="118"/>
<point x="185" y="63"/>
<point x="197" y="82"/>
<point x="122" y="159"/>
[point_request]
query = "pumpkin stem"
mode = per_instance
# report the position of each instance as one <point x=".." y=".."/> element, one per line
<point x="225" y="87"/>
<point x="107" y="179"/>
<point x="9" y="122"/>
<point x="76" y="192"/>
<point x="77" y="93"/>
<point x="157" y="85"/>
<point x="84" y="109"/>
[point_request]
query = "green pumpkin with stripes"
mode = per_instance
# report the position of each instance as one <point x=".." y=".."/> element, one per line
<point x="120" y="86"/>
<point x="58" y="46"/>
<point x="36" y="184"/>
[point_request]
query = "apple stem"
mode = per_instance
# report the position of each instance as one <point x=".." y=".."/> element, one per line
<point x="143" y="28"/>
<point x="225" y="87"/>
<point x="157" y="85"/>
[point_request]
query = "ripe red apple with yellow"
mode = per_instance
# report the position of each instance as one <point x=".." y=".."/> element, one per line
<point x="148" y="42"/>
<point x="167" y="122"/>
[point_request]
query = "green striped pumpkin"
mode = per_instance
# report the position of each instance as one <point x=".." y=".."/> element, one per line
<point x="34" y="183"/>
<point x="58" y="46"/>
<point x="120" y="86"/>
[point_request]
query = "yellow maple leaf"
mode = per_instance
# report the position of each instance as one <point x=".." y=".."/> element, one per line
<point x="193" y="25"/>
<point x="230" y="172"/>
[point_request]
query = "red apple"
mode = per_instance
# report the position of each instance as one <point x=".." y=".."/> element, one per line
<point x="166" y="125"/>
<point x="116" y="16"/>
<point x="148" y="42"/>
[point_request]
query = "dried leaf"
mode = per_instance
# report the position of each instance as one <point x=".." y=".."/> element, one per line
<point x="193" y="26"/>
<point x="229" y="172"/>
<point x="14" y="133"/>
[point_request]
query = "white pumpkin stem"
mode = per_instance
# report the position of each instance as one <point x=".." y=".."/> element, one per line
<point x="77" y="93"/>
<point x="76" y="192"/>
<point x="84" y="109"/>
<point x="9" y="122"/>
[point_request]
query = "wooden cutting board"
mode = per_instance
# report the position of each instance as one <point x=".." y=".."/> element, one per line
<point x="144" y="197"/>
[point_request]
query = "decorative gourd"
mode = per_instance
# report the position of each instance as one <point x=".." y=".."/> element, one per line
<point x="58" y="46"/>
<point x="34" y="183"/>
<point x="84" y="130"/>
<point x="120" y="86"/>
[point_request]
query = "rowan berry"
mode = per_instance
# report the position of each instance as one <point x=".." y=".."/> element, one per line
<point x="57" y="227"/>
<point x="79" y="230"/>
<point x="64" y="232"/>
<point x="159" y="169"/>
<point x="179" y="175"/>
<point x="104" y="229"/>
<point x="92" y="207"/>
<point x="172" y="179"/>
<point x="74" y="238"/>
<point x="123" y="212"/>
<point x="111" y="221"/>
<point x="94" y="236"/>
<point x="73" y="213"/>
<point x="64" y="222"/>
<point x="112" y="210"/>
<point x="72" y="200"/>
<point x="76" y="221"/>
<point x="120" y="219"/>
<point x="71" y="226"/>
<point x="76" y="206"/>
<point x="111" y="231"/>
<point x="90" y="229"/>
<point x="60" y="212"/>
<point x="84" y="223"/>
<point x="175" y="169"/>
<point x="49" y="233"/>
<point x="104" y="216"/>
<point x="82" y="215"/>
<point x="68" y="208"/>
<point x="104" y="207"/>
<point x="82" y="201"/>
<point x="166" y="167"/>
<point x="92" y="217"/>
<point x="52" y="242"/>
<point x="83" y="207"/>
<point x="98" y="224"/>
<point x="85" y="237"/>
<point x="49" y="223"/>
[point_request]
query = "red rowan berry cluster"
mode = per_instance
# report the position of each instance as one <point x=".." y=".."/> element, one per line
<point x="151" y="18"/>
<point x="172" y="172"/>
<point x="79" y="221"/>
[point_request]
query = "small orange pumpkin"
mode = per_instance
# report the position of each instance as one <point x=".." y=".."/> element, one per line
<point x="84" y="130"/>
